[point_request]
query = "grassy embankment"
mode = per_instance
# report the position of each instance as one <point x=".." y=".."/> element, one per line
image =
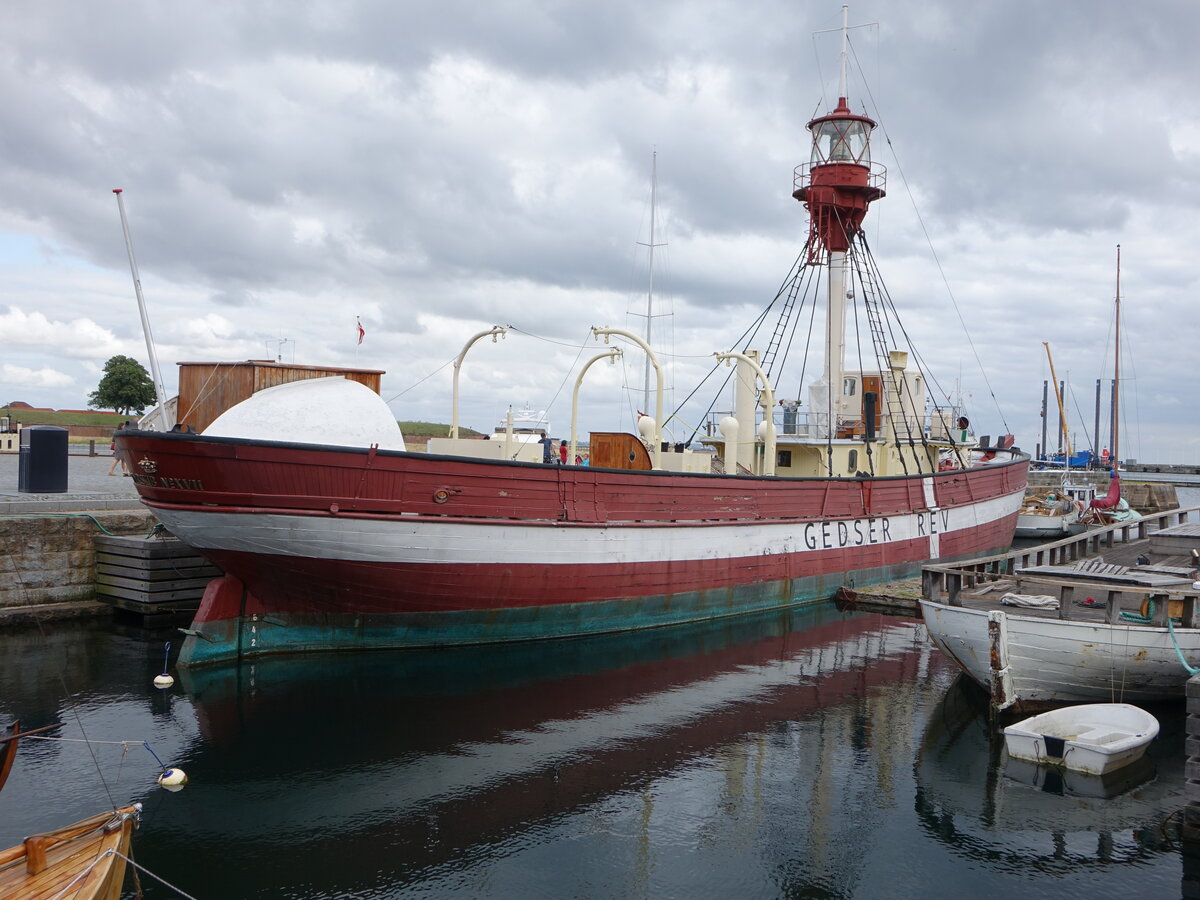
<point x="61" y="418"/>
<point x="53" y="417"/>
<point x="435" y="429"/>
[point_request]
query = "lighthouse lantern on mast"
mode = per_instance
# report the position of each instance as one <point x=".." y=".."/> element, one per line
<point x="841" y="138"/>
<point x="839" y="181"/>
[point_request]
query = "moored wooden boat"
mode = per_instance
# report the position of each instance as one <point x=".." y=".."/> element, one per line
<point x="1047" y="516"/>
<point x="1095" y="738"/>
<point x="83" y="861"/>
<point x="1045" y="626"/>
<point x="8" y="746"/>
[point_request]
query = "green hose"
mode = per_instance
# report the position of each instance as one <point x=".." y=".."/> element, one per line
<point x="57" y="516"/>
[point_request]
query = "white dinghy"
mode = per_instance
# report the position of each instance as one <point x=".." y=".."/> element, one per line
<point x="1094" y="738"/>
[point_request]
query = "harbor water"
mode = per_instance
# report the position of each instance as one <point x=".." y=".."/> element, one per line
<point x="810" y="753"/>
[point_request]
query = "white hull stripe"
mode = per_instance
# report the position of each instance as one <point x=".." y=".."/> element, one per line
<point x="935" y="548"/>
<point x="403" y="540"/>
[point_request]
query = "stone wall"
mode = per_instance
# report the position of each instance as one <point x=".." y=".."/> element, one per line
<point x="1150" y="498"/>
<point x="50" y="558"/>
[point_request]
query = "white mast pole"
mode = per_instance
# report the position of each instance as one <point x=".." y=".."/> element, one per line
<point x="845" y="48"/>
<point x="650" y="291"/>
<point x="160" y="393"/>
<point x="835" y="324"/>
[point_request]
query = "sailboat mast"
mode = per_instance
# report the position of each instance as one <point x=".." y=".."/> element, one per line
<point x="1116" y="410"/>
<point x="160" y="392"/>
<point x="650" y="289"/>
<point x="1062" y="413"/>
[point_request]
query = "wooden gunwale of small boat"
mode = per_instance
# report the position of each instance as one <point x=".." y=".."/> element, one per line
<point x="44" y="865"/>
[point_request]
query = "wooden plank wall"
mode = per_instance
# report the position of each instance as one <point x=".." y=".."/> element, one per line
<point x="207" y="389"/>
<point x="151" y="576"/>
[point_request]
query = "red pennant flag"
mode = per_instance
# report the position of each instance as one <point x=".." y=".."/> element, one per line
<point x="361" y="332"/>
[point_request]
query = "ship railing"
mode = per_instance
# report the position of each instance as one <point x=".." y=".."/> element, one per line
<point x="796" y="422"/>
<point x="876" y="175"/>
<point x="947" y="583"/>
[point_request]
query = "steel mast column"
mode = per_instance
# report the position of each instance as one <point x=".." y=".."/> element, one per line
<point x="836" y="186"/>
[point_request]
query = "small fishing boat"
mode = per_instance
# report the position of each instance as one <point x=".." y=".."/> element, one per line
<point x="1094" y="738"/>
<point x="83" y="861"/>
<point x="972" y="799"/>
<point x="1110" y="508"/>
<point x="1051" y="514"/>
<point x="1047" y="515"/>
<point x="1044" y="626"/>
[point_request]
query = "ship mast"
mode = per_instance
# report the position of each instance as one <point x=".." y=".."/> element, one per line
<point x="1116" y="404"/>
<point x="650" y="289"/>
<point x="836" y="187"/>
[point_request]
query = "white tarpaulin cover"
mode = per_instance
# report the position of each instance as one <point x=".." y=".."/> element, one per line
<point x="332" y="410"/>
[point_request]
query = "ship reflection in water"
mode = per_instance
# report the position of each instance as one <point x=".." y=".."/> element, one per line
<point x="804" y="753"/>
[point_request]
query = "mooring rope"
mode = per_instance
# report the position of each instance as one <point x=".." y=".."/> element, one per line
<point x="1178" y="652"/>
<point x="111" y="852"/>
<point x="124" y="745"/>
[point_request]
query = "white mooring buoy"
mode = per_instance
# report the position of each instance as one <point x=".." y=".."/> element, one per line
<point x="173" y="779"/>
<point x="164" y="680"/>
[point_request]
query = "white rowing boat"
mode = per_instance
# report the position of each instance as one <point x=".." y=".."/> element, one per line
<point x="1094" y="738"/>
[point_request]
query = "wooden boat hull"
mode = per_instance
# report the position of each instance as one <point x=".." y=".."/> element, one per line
<point x="1040" y="527"/>
<point x="84" y="861"/>
<point x="337" y="548"/>
<point x="1054" y="661"/>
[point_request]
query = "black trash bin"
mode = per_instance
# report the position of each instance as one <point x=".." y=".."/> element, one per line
<point x="43" y="462"/>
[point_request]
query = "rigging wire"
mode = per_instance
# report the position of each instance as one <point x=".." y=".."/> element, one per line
<point x="929" y="240"/>
<point x="448" y="362"/>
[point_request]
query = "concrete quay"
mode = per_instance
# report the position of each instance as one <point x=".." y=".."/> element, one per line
<point x="47" y="558"/>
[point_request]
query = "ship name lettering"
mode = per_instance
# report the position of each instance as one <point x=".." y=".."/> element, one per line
<point x="182" y="484"/>
<point x="838" y="535"/>
<point x="933" y="522"/>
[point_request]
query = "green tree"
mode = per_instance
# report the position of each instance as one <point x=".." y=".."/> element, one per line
<point x="125" y="387"/>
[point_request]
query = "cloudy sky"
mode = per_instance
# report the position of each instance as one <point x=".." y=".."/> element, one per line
<point x="440" y="167"/>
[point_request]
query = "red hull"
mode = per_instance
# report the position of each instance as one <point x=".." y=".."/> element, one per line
<point x="187" y="469"/>
<point x="390" y="548"/>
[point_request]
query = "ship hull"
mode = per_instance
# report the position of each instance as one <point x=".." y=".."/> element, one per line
<point x="335" y="548"/>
